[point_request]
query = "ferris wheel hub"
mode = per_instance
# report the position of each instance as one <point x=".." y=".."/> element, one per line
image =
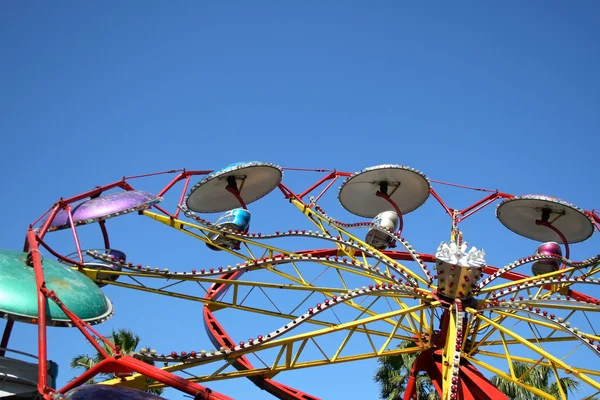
<point x="458" y="269"/>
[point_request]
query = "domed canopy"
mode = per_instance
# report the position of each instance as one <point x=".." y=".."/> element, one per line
<point x="107" y="392"/>
<point x="519" y="214"/>
<point x="18" y="292"/>
<point x="254" y="180"/>
<point x="405" y="186"/>
<point x="104" y="207"/>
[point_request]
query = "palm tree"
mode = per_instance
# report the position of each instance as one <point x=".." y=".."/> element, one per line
<point x="393" y="374"/>
<point x="394" y="371"/>
<point x="126" y="340"/>
<point x="541" y="377"/>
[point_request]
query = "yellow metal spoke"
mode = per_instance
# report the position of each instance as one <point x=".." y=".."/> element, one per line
<point x="449" y="353"/>
<point x="543" y="353"/>
<point x="475" y="345"/>
<point x="283" y="286"/>
<point x="344" y="343"/>
<point x="268" y="372"/>
<point x="533" y="361"/>
<point x="283" y="345"/>
<point x="563" y="395"/>
<point x="554" y="326"/>
<point x="508" y="358"/>
<point x="216" y="305"/>
<point x="542" y="340"/>
<point x="178" y="224"/>
<point x="302" y="336"/>
<point x="510" y="378"/>
<point x="389" y="339"/>
<point x="326" y="342"/>
<point x="312" y="214"/>
<point x="530" y="279"/>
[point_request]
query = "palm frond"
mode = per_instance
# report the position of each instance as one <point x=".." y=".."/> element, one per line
<point x="126" y="340"/>
<point x="393" y="374"/>
<point x="568" y="385"/>
<point x="82" y="361"/>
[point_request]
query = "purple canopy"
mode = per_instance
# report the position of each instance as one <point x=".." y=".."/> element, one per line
<point x="105" y="392"/>
<point x="103" y="207"/>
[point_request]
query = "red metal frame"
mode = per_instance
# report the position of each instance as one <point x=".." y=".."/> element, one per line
<point x="560" y="235"/>
<point x="396" y="208"/>
<point x="473" y="385"/>
<point x="595" y="216"/>
<point x="111" y="364"/>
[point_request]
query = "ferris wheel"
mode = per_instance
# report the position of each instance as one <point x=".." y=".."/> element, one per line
<point x="329" y="292"/>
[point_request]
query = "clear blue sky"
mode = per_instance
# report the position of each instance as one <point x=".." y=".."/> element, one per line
<point x="494" y="94"/>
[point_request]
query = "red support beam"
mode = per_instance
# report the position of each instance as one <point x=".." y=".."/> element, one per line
<point x="45" y="226"/>
<point x="110" y="364"/>
<point x="316" y="185"/>
<point x="127" y="364"/>
<point x="478" y="385"/>
<point x="57" y="255"/>
<point x="491" y="197"/>
<point x="74" y="232"/>
<point x="448" y="210"/>
<point x="179" y="177"/>
<point x="171" y="171"/>
<point x="183" y="191"/>
<point x="287" y="193"/>
<point x="433" y="369"/>
<point x="418" y="366"/>
<point x="83" y="327"/>
<point x="595" y="218"/>
<point x="36" y="262"/>
<point x="469" y="375"/>
<point x="471" y="385"/>
<point x="220" y="338"/>
<point x="329" y="185"/>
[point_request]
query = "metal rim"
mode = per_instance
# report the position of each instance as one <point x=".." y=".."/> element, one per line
<point x="117" y="212"/>
<point x="210" y="196"/>
<point x="59" y="322"/>
<point x="520" y="213"/>
<point x="357" y="194"/>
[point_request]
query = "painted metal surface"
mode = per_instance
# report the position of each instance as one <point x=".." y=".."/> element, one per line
<point x="378" y="239"/>
<point x="104" y="207"/>
<point x="18" y="294"/>
<point x="458" y="269"/>
<point x="521" y="213"/>
<point x="405" y="186"/>
<point x="464" y="333"/>
<point x="237" y="220"/>
<point x="545" y="266"/>
<point x="103" y="392"/>
<point x="253" y="180"/>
